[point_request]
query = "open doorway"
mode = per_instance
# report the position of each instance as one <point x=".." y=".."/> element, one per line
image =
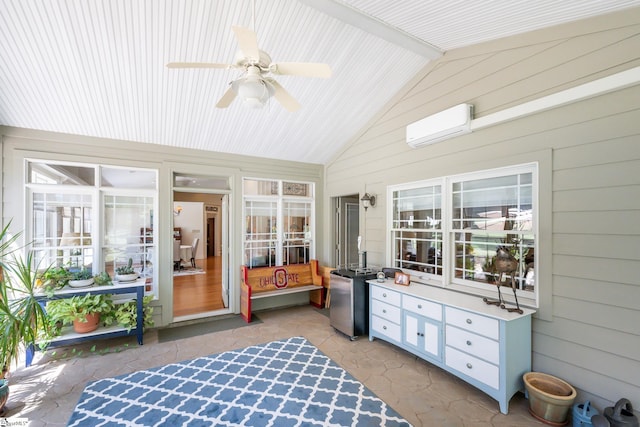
<point x="200" y="273"/>
<point x="347" y="229"/>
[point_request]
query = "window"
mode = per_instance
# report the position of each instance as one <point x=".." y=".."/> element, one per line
<point x="76" y="223"/>
<point x="450" y="229"/>
<point x="278" y="222"/>
<point x="417" y="228"/>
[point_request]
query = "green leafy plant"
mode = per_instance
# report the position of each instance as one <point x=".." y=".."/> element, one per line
<point x="23" y="321"/>
<point x="126" y="314"/>
<point x="53" y="278"/>
<point x="103" y="279"/>
<point x="75" y="309"/>
<point x="82" y="274"/>
<point x="126" y="269"/>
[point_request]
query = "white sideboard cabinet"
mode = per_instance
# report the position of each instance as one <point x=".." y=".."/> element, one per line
<point x="484" y="345"/>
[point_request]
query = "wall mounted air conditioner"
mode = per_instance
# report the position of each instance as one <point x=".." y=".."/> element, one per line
<point x="446" y="124"/>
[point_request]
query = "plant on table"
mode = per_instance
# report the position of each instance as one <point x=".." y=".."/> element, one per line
<point x="103" y="279"/>
<point x="126" y="272"/>
<point x="83" y="311"/>
<point x="126" y="314"/>
<point x="81" y="278"/>
<point x="53" y="278"/>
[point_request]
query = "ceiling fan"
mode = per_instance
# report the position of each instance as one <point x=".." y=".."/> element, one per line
<point x="256" y="83"/>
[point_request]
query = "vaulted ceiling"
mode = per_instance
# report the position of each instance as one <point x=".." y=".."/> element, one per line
<point x="98" y="67"/>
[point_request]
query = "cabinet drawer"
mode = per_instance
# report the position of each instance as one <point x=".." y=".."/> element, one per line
<point x="386" y="311"/>
<point x="475" y="368"/>
<point x="474" y="344"/>
<point x="387" y="328"/>
<point x="422" y="307"/>
<point x="472" y="322"/>
<point x="386" y="295"/>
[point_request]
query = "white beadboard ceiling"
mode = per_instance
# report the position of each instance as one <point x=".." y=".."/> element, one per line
<point x="97" y="67"/>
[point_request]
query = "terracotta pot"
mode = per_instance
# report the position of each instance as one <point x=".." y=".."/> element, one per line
<point x="550" y="398"/>
<point x="93" y="320"/>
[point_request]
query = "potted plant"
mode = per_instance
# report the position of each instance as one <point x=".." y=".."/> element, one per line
<point x="23" y="321"/>
<point x="81" y="278"/>
<point x="126" y="314"/>
<point x="126" y="273"/>
<point x="103" y="279"/>
<point x="83" y="311"/>
<point x="53" y="278"/>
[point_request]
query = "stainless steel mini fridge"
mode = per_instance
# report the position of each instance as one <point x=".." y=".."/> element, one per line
<point x="349" y="310"/>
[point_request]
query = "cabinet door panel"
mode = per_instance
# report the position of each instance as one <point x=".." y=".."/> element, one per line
<point x="411" y="330"/>
<point x="431" y="339"/>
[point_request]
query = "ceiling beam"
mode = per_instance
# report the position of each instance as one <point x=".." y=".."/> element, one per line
<point x="372" y="25"/>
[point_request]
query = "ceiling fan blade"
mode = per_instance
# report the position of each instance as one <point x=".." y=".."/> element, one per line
<point x="197" y="65"/>
<point x="227" y="98"/>
<point x="306" y="69"/>
<point x="248" y="42"/>
<point x="283" y="97"/>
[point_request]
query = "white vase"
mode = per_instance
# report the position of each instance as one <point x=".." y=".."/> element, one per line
<point x="81" y="283"/>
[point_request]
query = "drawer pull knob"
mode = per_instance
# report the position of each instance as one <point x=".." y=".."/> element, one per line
<point x="469" y="321"/>
<point x="419" y="305"/>
<point x="384" y="311"/>
<point x="384" y="327"/>
<point x="468" y="342"/>
<point x="469" y="365"/>
<point x="384" y="295"/>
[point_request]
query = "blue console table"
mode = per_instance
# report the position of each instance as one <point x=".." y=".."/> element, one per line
<point x="70" y="337"/>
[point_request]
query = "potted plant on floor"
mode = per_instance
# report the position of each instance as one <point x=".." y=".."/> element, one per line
<point x="23" y="320"/>
<point x="83" y="311"/>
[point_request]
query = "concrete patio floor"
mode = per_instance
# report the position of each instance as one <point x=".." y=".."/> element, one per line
<point x="46" y="393"/>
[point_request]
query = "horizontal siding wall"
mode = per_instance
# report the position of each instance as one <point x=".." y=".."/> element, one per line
<point x="591" y="334"/>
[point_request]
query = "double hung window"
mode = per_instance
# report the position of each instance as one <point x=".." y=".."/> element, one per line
<point x="450" y="229"/>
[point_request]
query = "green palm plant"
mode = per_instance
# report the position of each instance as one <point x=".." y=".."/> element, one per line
<point x="23" y="320"/>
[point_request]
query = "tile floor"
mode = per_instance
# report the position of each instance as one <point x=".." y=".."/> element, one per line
<point x="46" y="393"/>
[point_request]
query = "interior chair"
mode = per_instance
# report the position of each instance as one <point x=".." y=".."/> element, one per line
<point x="194" y="248"/>
<point x="176" y="255"/>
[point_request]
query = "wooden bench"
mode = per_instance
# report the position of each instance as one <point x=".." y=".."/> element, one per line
<point x="264" y="282"/>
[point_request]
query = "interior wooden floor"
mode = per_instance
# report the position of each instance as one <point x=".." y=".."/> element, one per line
<point x="198" y="293"/>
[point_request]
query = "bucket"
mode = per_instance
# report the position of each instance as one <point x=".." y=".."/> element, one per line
<point x="550" y="398"/>
<point x="582" y="413"/>
<point x="621" y="415"/>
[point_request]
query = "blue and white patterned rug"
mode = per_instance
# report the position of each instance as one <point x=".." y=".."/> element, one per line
<point x="281" y="383"/>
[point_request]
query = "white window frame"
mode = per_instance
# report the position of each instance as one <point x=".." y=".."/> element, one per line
<point x="280" y="200"/>
<point x="97" y="192"/>
<point x="447" y="279"/>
